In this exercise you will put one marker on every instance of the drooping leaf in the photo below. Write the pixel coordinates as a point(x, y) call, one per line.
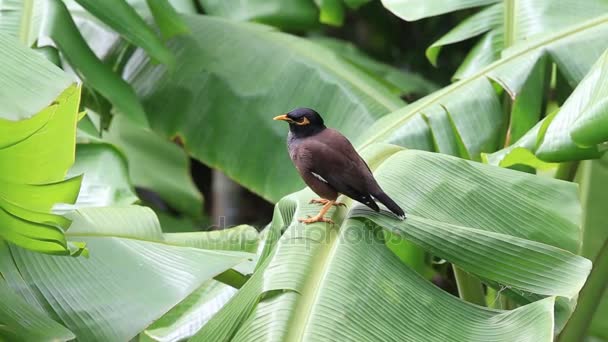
point(192, 313)
point(206, 102)
point(157, 164)
point(551, 139)
point(61, 28)
point(482, 22)
point(591, 126)
point(21, 19)
point(289, 15)
point(166, 17)
point(105, 179)
point(21, 322)
point(343, 282)
point(35, 155)
point(131, 278)
point(524, 20)
point(470, 106)
point(28, 81)
point(121, 17)
point(185, 319)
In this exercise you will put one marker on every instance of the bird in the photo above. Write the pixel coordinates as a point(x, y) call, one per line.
point(329, 164)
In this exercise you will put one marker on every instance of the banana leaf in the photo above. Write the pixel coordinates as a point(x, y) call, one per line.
point(131, 277)
point(214, 92)
point(35, 155)
point(341, 282)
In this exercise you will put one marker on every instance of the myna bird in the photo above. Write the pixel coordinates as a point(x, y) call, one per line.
point(330, 166)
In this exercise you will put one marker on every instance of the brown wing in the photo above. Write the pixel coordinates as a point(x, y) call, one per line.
point(332, 157)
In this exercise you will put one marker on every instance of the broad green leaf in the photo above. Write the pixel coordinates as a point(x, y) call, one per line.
point(472, 103)
point(591, 126)
point(131, 278)
point(289, 15)
point(482, 22)
point(21, 19)
point(61, 28)
point(550, 140)
point(587, 100)
point(105, 176)
point(527, 108)
point(520, 21)
point(207, 102)
point(522, 152)
point(28, 82)
point(35, 155)
point(166, 17)
point(121, 17)
point(342, 281)
point(192, 313)
point(412, 10)
point(21, 322)
point(146, 151)
point(186, 318)
point(402, 82)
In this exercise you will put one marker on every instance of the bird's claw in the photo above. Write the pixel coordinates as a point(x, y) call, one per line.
point(315, 219)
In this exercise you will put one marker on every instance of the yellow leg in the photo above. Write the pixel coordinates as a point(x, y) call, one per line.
point(324, 201)
point(319, 217)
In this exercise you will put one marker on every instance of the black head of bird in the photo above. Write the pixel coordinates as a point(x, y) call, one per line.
point(303, 122)
point(330, 166)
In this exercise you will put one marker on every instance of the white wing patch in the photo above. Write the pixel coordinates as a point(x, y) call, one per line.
point(319, 177)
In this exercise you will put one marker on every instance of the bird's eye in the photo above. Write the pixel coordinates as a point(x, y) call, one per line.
point(303, 121)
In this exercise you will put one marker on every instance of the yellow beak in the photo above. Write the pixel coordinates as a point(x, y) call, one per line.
point(282, 118)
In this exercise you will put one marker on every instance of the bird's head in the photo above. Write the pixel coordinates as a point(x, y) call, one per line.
point(303, 121)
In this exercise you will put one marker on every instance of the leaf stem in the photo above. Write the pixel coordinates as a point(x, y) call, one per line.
point(510, 24)
point(566, 171)
point(25, 25)
point(588, 299)
point(469, 287)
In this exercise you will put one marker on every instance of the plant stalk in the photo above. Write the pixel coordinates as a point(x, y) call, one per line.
point(469, 287)
point(509, 22)
point(25, 25)
point(588, 299)
point(566, 171)
point(509, 40)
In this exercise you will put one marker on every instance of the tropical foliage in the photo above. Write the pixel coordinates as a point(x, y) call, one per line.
point(501, 173)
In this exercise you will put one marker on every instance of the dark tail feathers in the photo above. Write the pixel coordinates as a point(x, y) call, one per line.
point(390, 204)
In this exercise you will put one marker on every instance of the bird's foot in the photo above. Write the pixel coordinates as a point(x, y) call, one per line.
point(324, 202)
point(315, 219)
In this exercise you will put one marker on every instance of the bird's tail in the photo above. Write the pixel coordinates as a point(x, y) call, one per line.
point(390, 204)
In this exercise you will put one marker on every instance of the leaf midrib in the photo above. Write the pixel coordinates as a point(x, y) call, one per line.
point(310, 291)
point(433, 99)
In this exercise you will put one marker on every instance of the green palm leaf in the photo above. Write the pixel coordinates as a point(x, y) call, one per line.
point(131, 272)
point(501, 24)
point(29, 82)
point(572, 133)
point(35, 155)
point(343, 282)
point(466, 118)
